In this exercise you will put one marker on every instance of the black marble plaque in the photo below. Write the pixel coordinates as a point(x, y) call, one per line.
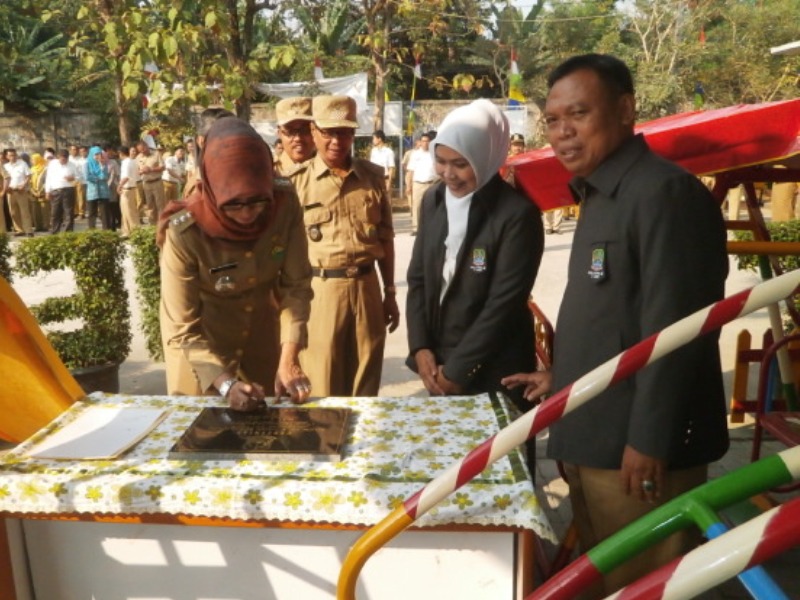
point(270, 433)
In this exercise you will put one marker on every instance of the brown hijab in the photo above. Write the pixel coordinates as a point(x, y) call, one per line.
point(235, 163)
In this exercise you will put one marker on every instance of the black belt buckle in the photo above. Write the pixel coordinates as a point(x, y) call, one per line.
point(351, 272)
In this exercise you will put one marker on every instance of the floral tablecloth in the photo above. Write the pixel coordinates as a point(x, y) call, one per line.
point(396, 446)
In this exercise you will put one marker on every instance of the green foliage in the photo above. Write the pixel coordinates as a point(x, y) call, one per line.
point(101, 300)
point(5, 257)
point(784, 231)
point(144, 254)
point(32, 71)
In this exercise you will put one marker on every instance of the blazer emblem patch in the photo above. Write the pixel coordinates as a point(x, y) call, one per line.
point(478, 260)
point(597, 268)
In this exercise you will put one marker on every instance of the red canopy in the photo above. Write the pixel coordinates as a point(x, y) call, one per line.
point(704, 142)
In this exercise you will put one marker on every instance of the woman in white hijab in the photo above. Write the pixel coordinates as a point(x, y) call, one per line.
point(474, 262)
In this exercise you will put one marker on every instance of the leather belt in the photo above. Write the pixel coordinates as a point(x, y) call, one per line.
point(346, 272)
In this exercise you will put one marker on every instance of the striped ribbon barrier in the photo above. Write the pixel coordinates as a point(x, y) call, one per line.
point(720, 559)
point(696, 507)
point(566, 400)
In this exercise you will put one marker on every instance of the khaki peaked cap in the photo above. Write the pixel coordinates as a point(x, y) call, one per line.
point(334, 111)
point(297, 108)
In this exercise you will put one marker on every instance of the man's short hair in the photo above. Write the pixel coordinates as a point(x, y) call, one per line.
point(613, 73)
point(124, 150)
point(379, 133)
point(63, 152)
point(210, 116)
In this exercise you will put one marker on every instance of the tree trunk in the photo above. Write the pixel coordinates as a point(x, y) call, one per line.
point(122, 114)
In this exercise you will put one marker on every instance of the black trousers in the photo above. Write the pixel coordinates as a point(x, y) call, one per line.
point(62, 204)
point(94, 206)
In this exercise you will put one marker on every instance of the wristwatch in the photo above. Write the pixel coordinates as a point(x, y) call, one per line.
point(390, 289)
point(226, 386)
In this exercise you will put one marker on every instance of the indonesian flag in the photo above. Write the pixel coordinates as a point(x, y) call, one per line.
point(318, 69)
point(417, 69)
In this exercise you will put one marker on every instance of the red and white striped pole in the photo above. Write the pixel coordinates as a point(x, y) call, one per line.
point(566, 400)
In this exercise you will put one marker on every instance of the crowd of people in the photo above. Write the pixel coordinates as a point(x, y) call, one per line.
point(278, 274)
point(116, 188)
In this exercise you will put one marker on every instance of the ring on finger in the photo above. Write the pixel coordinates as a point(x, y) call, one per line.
point(648, 486)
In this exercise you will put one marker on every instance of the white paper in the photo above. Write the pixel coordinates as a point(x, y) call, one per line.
point(99, 432)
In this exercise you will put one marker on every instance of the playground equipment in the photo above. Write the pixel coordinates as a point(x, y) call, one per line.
point(564, 401)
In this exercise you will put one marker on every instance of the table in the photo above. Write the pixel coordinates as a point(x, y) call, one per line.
point(286, 525)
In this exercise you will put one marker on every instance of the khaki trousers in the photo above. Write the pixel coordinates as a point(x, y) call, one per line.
point(153, 199)
point(170, 192)
point(19, 203)
point(80, 199)
point(600, 509)
point(128, 206)
point(417, 192)
point(782, 200)
point(346, 337)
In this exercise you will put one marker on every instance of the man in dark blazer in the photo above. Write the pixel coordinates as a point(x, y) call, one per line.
point(648, 250)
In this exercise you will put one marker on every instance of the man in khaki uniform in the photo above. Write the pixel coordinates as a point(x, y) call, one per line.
point(151, 168)
point(348, 221)
point(17, 186)
point(293, 116)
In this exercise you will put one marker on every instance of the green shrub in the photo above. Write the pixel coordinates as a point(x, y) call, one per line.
point(144, 254)
point(101, 301)
point(783, 231)
point(5, 257)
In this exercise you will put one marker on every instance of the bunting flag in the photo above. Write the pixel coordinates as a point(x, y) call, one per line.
point(699, 95)
point(318, 69)
point(412, 118)
point(515, 95)
point(702, 37)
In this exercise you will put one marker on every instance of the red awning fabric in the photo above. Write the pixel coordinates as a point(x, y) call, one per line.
point(703, 142)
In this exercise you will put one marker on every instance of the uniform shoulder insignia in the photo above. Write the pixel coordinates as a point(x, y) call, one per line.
point(181, 220)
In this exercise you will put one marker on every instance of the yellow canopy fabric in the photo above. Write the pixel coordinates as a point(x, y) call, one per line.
point(35, 386)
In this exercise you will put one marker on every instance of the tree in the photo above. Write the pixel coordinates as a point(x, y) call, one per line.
point(32, 72)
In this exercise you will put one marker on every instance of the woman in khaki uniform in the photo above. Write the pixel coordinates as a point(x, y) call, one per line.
point(235, 276)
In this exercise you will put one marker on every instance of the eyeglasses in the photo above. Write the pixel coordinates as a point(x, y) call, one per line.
point(291, 132)
point(338, 132)
point(232, 207)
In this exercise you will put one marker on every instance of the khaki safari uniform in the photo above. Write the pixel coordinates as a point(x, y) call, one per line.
point(230, 305)
point(151, 185)
point(286, 166)
point(347, 222)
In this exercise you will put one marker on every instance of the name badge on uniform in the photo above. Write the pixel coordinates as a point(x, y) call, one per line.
point(478, 260)
point(314, 233)
point(226, 283)
point(598, 268)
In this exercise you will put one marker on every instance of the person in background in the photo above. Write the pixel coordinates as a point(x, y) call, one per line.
point(77, 156)
point(40, 205)
point(293, 116)
point(650, 438)
point(174, 175)
point(114, 210)
point(17, 187)
point(128, 192)
point(97, 192)
point(407, 181)
point(348, 222)
point(423, 176)
point(383, 156)
point(235, 277)
point(150, 169)
point(277, 149)
point(468, 319)
point(59, 186)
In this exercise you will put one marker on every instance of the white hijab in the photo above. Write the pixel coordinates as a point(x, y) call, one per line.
point(480, 133)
